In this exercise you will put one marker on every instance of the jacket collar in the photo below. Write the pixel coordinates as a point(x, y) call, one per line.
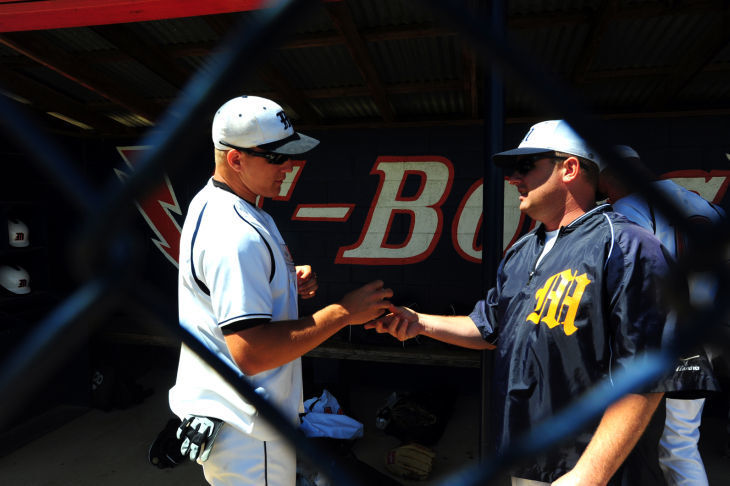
point(576, 222)
point(580, 219)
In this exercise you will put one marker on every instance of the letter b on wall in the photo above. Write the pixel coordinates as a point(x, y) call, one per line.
point(423, 208)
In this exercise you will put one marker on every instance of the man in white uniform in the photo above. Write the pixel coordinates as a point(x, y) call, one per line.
point(237, 292)
point(679, 457)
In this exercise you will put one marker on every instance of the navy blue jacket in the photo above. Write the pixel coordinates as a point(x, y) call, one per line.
point(588, 308)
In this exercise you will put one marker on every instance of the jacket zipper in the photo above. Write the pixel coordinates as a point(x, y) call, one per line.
point(534, 266)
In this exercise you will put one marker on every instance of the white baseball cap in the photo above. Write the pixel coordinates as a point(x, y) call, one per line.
point(545, 137)
point(251, 121)
point(17, 233)
point(15, 279)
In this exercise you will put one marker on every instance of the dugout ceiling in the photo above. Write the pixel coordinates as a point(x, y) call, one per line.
point(105, 67)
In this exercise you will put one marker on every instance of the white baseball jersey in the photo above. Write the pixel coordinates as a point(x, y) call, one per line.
point(235, 272)
point(636, 208)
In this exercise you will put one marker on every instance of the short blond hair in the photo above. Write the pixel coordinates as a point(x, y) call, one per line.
point(590, 169)
point(219, 156)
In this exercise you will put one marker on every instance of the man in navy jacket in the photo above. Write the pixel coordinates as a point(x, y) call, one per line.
point(575, 300)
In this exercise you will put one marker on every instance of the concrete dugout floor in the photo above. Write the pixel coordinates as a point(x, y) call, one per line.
point(110, 448)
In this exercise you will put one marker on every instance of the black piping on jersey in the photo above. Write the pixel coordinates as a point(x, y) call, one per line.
point(268, 247)
point(226, 187)
point(241, 323)
point(266, 466)
point(200, 283)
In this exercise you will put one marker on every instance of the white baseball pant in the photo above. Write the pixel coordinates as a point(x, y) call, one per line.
point(679, 457)
point(237, 459)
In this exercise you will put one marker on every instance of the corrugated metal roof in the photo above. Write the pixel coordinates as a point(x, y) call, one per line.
point(137, 78)
point(723, 57)
point(632, 93)
point(8, 53)
point(523, 7)
point(416, 105)
point(60, 83)
point(316, 68)
point(554, 49)
point(82, 39)
point(709, 88)
point(382, 13)
point(416, 65)
point(653, 42)
point(196, 63)
point(418, 60)
point(315, 21)
point(176, 31)
point(131, 121)
point(350, 108)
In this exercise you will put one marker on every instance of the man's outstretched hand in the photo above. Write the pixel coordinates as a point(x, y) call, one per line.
point(401, 323)
point(367, 303)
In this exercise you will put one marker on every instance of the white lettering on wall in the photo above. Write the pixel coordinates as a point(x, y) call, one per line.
point(379, 243)
point(467, 223)
point(423, 209)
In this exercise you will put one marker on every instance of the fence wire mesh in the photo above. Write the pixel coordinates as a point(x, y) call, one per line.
point(106, 255)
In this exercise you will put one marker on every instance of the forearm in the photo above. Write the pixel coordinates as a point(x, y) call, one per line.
point(273, 344)
point(456, 330)
point(276, 343)
point(618, 432)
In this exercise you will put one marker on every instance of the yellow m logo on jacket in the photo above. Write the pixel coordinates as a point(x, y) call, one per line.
point(558, 300)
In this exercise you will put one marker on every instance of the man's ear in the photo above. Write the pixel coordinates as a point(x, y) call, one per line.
point(233, 159)
point(571, 169)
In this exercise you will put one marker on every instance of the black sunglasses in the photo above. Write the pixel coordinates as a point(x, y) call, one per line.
point(526, 164)
point(271, 157)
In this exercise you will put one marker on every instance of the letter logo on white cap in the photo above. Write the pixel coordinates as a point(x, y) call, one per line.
point(17, 233)
point(284, 120)
point(15, 279)
point(528, 134)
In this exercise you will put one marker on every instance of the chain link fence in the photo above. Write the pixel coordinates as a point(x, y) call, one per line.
point(107, 257)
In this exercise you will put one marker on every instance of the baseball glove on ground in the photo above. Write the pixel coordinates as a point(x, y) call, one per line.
point(410, 461)
point(415, 417)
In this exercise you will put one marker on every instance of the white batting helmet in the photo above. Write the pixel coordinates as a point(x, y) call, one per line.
point(15, 279)
point(18, 233)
